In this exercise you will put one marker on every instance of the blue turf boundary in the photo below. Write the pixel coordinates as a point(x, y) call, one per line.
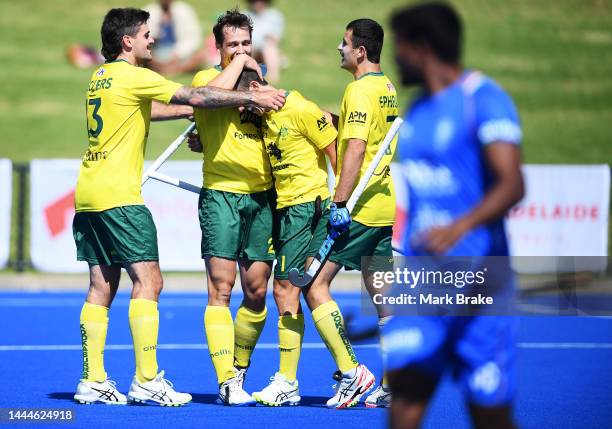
point(558, 388)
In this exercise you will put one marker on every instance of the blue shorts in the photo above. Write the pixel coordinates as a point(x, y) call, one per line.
point(479, 351)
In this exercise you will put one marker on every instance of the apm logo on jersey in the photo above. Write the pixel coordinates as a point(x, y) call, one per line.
point(357, 117)
point(322, 123)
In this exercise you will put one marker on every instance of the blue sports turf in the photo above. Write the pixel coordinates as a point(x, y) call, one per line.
point(564, 369)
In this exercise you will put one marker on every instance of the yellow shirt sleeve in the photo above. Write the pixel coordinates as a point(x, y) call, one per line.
point(358, 118)
point(314, 126)
point(150, 85)
point(203, 77)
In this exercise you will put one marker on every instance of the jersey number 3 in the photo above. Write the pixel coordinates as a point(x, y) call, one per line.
point(96, 103)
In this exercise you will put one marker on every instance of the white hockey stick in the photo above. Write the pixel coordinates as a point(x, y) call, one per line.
point(321, 256)
point(175, 182)
point(167, 153)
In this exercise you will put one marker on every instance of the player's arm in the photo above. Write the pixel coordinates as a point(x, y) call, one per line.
point(332, 118)
point(504, 162)
point(332, 155)
point(208, 97)
point(351, 166)
point(165, 112)
point(229, 75)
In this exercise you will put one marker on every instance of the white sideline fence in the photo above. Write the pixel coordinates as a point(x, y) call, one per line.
point(565, 213)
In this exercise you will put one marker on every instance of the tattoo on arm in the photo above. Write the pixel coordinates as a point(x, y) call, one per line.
point(208, 97)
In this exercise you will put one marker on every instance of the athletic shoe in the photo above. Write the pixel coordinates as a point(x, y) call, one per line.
point(279, 392)
point(158, 391)
point(90, 392)
point(349, 390)
point(232, 393)
point(380, 398)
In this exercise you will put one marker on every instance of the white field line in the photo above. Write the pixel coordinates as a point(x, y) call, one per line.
point(274, 346)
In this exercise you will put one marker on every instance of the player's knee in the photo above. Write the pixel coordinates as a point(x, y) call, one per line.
point(499, 417)
point(316, 295)
point(412, 385)
point(158, 285)
point(279, 294)
point(256, 295)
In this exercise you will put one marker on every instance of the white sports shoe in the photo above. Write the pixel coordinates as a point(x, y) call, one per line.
point(232, 393)
point(349, 390)
point(90, 392)
point(158, 391)
point(279, 392)
point(379, 398)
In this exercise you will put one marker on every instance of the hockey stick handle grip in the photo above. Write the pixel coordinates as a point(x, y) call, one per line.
point(168, 152)
point(363, 182)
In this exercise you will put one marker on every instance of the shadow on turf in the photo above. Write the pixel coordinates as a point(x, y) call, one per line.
point(307, 401)
point(62, 396)
point(208, 398)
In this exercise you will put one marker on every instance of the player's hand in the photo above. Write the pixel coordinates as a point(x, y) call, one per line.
point(194, 143)
point(251, 64)
point(339, 217)
point(268, 98)
point(440, 239)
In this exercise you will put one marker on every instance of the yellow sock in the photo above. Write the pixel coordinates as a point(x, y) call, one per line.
point(144, 324)
point(219, 329)
point(94, 324)
point(385, 381)
point(290, 335)
point(247, 329)
point(330, 324)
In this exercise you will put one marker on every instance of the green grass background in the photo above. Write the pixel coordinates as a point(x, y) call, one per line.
point(553, 57)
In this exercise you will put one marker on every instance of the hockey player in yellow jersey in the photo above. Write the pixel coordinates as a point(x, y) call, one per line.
point(296, 138)
point(368, 109)
point(235, 210)
point(112, 228)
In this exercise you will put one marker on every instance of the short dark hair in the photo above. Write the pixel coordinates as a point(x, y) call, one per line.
point(232, 18)
point(369, 34)
point(118, 23)
point(246, 77)
point(435, 24)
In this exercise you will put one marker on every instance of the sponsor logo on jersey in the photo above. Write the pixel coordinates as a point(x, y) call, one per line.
point(239, 136)
point(100, 72)
point(280, 167)
point(322, 123)
point(95, 155)
point(357, 117)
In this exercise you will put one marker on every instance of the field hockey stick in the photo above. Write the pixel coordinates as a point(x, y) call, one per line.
point(167, 153)
point(323, 253)
point(175, 182)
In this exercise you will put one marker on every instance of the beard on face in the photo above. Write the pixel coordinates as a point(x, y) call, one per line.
point(410, 75)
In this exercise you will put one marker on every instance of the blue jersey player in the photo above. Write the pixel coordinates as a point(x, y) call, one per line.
point(460, 157)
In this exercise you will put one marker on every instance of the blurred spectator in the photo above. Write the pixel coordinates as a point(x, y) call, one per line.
point(175, 27)
point(84, 56)
point(268, 26)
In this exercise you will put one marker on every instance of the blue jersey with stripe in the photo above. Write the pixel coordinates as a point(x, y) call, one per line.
point(440, 148)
